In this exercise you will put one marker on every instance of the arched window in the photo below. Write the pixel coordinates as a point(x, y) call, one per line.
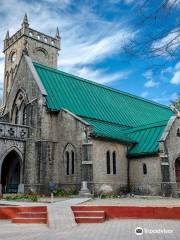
point(144, 169)
point(108, 163)
point(69, 154)
point(13, 57)
point(67, 163)
point(24, 117)
point(41, 51)
point(16, 118)
point(178, 132)
point(19, 113)
point(72, 162)
point(114, 162)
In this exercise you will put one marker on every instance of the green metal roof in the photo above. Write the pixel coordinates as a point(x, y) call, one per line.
point(109, 111)
point(109, 130)
point(147, 138)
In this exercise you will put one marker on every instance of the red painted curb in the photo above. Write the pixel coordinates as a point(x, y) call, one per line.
point(145, 212)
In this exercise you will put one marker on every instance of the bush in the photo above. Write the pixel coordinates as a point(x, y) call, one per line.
point(60, 192)
point(27, 197)
point(64, 193)
point(104, 196)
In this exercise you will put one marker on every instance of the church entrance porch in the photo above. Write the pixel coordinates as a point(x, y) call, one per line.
point(11, 172)
point(177, 169)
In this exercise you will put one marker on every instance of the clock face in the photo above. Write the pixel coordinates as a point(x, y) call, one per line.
point(13, 57)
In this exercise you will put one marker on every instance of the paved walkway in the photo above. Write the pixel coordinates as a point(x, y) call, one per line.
point(136, 201)
point(60, 215)
point(109, 230)
point(63, 227)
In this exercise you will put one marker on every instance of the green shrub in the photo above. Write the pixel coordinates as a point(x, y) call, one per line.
point(104, 196)
point(60, 192)
point(64, 193)
point(18, 197)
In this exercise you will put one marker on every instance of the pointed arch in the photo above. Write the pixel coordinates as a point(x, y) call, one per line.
point(41, 50)
point(69, 159)
point(12, 53)
point(19, 107)
point(12, 161)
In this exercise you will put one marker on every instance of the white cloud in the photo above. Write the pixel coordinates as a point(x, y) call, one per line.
point(175, 72)
point(86, 52)
point(174, 3)
point(123, 1)
point(165, 98)
point(168, 44)
point(177, 66)
point(150, 83)
point(144, 94)
point(86, 38)
point(176, 78)
point(97, 75)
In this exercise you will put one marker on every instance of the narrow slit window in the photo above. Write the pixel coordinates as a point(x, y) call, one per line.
point(114, 162)
point(108, 164)
point(72, 162)
point(16, 115)
point(24, 121)
point(144, 169)
point(67, 163)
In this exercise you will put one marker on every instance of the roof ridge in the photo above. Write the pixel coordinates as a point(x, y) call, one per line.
point(104, 121)
point(100, 85)
point(147, 126)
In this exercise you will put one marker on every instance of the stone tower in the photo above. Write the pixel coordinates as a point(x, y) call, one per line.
point(39, 46)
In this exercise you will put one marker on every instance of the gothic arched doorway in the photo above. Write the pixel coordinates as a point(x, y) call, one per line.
point(11, 172)
point(177, 169)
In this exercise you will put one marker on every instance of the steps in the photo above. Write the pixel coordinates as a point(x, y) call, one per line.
point(89, 216)
point(31, 215)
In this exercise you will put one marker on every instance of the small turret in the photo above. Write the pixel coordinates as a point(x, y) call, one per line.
point(7, 35)
point(25, 21)
point(57, 33)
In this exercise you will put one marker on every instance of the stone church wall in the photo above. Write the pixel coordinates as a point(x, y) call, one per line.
point(149, 183)
point(117, 181)
point(24, 80)
point(62, 132)
point(173, 150)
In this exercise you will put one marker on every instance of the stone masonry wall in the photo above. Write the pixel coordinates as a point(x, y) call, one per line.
point(173, 147)
point(149, 183)
point(24, 80)
point(61, 130)
point(118, 181)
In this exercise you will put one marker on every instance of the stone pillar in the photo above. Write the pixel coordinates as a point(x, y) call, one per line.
point(1, 190)
point(21, 188)
point(166, 184)
point(84, 192)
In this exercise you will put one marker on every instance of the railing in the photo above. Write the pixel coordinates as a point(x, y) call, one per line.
point(13, 131)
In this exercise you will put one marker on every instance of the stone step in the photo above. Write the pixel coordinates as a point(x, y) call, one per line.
point(30, 220)
point(89, 213)
point(32, 209)
point(90, 219)
point(31, 215)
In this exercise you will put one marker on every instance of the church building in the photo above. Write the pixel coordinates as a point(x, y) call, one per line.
point(59, 128)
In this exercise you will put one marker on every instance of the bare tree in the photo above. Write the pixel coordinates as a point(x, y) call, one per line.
point(176, 103)
point(159, 21)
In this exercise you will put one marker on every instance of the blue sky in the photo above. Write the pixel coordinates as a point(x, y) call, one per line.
point(94, 35)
